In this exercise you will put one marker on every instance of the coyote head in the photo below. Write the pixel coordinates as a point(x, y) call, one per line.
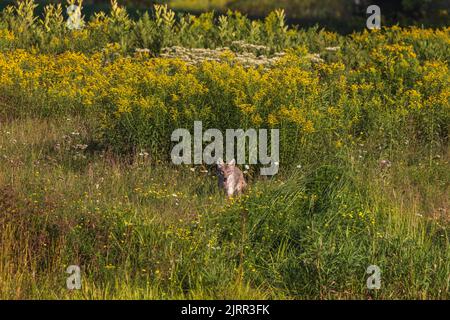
point(231, 179)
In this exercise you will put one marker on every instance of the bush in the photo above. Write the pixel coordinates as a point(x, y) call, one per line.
point(391, 94)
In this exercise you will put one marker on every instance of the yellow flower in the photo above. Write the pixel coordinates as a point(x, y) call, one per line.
point(308, 127)
point(272, 120)
point(256, 119)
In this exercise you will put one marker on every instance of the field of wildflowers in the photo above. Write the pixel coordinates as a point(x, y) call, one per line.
point(85, 175)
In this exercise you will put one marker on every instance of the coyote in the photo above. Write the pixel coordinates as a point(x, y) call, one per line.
point(231, 179)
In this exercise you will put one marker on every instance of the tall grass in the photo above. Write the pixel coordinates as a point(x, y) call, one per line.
point(142, 231)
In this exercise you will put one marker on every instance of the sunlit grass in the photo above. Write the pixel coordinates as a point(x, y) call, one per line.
point(141, 230)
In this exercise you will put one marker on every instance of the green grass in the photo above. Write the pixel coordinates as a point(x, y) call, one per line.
point(142, 230)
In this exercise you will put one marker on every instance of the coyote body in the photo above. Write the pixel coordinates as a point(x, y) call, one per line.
point(231, 179)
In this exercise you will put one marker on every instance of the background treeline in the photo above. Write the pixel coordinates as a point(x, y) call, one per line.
point(338, 15)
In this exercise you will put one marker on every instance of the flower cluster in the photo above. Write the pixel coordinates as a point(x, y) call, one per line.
point(195, 56)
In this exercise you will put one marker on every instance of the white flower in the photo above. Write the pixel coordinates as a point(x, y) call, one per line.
point(81, 146)
point(385, 164)
point(143, 153)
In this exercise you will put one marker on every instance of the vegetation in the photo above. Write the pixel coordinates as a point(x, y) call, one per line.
point(85, 178)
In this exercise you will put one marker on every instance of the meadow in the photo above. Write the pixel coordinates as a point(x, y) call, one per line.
point(86, 178)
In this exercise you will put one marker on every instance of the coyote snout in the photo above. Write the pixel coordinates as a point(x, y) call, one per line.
point(231, 179)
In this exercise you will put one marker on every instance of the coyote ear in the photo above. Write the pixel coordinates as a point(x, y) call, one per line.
point(220, 163)
point(232, 163)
